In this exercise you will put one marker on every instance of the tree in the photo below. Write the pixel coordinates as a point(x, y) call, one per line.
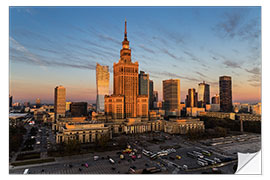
point(72, 146)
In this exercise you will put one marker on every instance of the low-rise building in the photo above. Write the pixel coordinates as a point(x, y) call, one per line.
point(248, 117)
point(83, 132)
point(220, 115)
point(194, 111)
point(183, 126)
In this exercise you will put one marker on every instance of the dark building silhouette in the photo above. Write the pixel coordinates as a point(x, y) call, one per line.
point(10, 101)
point(78, 109)
point(225, 93)
point(192, 98)
point(143, 83)
point(151, 94)
point(215, 99)
point(155, 96)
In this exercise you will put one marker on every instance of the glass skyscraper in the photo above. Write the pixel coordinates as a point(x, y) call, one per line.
point(102, 80)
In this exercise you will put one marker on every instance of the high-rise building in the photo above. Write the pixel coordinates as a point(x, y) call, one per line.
point(192, 98)
point(59, 102)
point(143, 83)
point(215, 99)
point(10, 101)
point(171, 94)
point(38, 103)
point(203, 94)
point(125, 78)
point(78, 109)
point(151, 94)
point(68, 106)
point(225, 93)
point(155, 94)
point(102, 81)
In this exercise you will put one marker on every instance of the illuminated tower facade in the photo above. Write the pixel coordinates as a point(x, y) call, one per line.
point(171, 94)
point(192, 98)
point(125, 78)
point(203, 94)
point(59, 102)
point(102, 80)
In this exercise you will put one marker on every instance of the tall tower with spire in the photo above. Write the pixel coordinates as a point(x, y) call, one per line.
point(125, 74)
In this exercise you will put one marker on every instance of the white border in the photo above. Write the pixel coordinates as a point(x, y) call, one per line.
point(4, 17)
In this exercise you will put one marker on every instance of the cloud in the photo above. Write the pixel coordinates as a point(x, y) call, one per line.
point(231, 64)
point(255, 70)
point(19, 53)
point(172, 75)
point(236, 24)
point(201, 74)
point(191, 55)
point(146, 49)
point(255, 84)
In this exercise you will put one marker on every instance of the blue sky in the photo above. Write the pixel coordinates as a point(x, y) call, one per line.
point(50, 46)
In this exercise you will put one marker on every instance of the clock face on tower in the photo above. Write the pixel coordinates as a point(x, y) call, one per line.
point(125, 46)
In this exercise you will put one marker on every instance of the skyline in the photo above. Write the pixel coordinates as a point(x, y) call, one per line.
point(227, 42)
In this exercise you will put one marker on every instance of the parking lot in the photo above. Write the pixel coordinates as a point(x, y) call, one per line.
point(167, 164)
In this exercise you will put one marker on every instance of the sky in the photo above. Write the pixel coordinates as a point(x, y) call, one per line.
point(51, 46)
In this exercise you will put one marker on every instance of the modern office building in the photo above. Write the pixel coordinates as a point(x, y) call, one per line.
point(171, 95)
point(203, 94)
point(143, 83)
point(102, 82)
point(155, 96)
point(225, 93)
point(215, 99)
point(59, 102)
point(10, 101)
point(68, 106)
point(151, 94)
point(78, 109)
point(192, 98)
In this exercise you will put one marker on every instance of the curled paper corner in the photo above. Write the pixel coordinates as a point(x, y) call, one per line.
point(249, 163)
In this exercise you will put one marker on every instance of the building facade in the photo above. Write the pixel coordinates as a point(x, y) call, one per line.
point(102, 82)
point(248, 117)
point(221, 115)
point(203, 94)
point(183, 126)
point(59, 102)
point(192, 98)
point(125, 74)
point(142, 106)
point(215, 99)
point(151, 94)
point(225, 93)
point(171, 94)
point(143, 83)
point(78, 109)
point(115, 106)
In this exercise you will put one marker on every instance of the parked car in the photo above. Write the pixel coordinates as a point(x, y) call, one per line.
point(178, 157)
point(96, 158)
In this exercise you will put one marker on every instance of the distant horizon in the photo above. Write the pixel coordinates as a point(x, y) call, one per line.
point(50, 46)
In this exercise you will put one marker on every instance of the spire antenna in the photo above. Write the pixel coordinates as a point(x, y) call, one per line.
point(125, 29)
